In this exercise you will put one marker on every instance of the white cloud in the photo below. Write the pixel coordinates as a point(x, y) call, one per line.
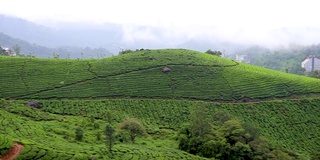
point(250, 20)
point(239, 14)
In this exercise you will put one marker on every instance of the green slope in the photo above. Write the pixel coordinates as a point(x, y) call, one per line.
point(193, 75)
point(49, 132)
point(49, 136)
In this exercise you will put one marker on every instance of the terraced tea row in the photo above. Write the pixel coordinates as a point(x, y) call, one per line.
point(22, 76)
point(191, 82)
point(292, 124)
point(192, 75)
point(25, 76)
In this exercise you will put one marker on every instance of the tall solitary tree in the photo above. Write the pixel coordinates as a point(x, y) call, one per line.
point(109, 132)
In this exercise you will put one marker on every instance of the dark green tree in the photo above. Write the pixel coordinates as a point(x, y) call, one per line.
point(79, 133)
point(109, 132)
point(225, 138)
point(98, 136)
point(217, 53)
point(133, 127)
point(199, 125)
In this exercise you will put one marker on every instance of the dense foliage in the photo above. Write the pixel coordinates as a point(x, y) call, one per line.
point(79, 133)
point(217, 53)
point(223, 137)
point(133, 127)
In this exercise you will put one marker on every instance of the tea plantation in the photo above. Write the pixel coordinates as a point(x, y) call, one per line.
point(160, 88)
point(192, 75)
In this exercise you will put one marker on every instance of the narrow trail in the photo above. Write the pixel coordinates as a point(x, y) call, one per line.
point(13, 152)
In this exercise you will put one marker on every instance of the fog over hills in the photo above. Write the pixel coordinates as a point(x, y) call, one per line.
point(115, 37)
point(110, 36)
point(56, 37)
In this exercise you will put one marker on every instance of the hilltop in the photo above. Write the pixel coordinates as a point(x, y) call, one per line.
point(192, 75)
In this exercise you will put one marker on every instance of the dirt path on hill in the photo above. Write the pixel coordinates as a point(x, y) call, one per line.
point(13, 152)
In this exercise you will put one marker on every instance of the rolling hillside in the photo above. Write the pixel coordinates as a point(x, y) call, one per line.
point(193, 75)
point(161, 88)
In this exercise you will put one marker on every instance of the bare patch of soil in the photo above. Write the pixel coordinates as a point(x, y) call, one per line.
point(13, 152)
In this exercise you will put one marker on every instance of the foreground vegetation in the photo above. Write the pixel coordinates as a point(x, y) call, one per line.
point(223, 137)
point(49, 132)
point(49, 136)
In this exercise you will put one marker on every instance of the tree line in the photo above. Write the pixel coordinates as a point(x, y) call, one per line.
point(285, 59)
point(222, 136)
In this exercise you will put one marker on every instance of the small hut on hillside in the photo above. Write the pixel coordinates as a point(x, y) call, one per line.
point(166, 69)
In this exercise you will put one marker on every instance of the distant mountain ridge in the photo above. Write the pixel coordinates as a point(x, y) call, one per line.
point(116, 37)
point(28, 49)
point(113, 37)
point(49, 37)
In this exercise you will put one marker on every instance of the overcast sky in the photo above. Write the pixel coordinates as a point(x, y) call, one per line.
point(237, 19)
